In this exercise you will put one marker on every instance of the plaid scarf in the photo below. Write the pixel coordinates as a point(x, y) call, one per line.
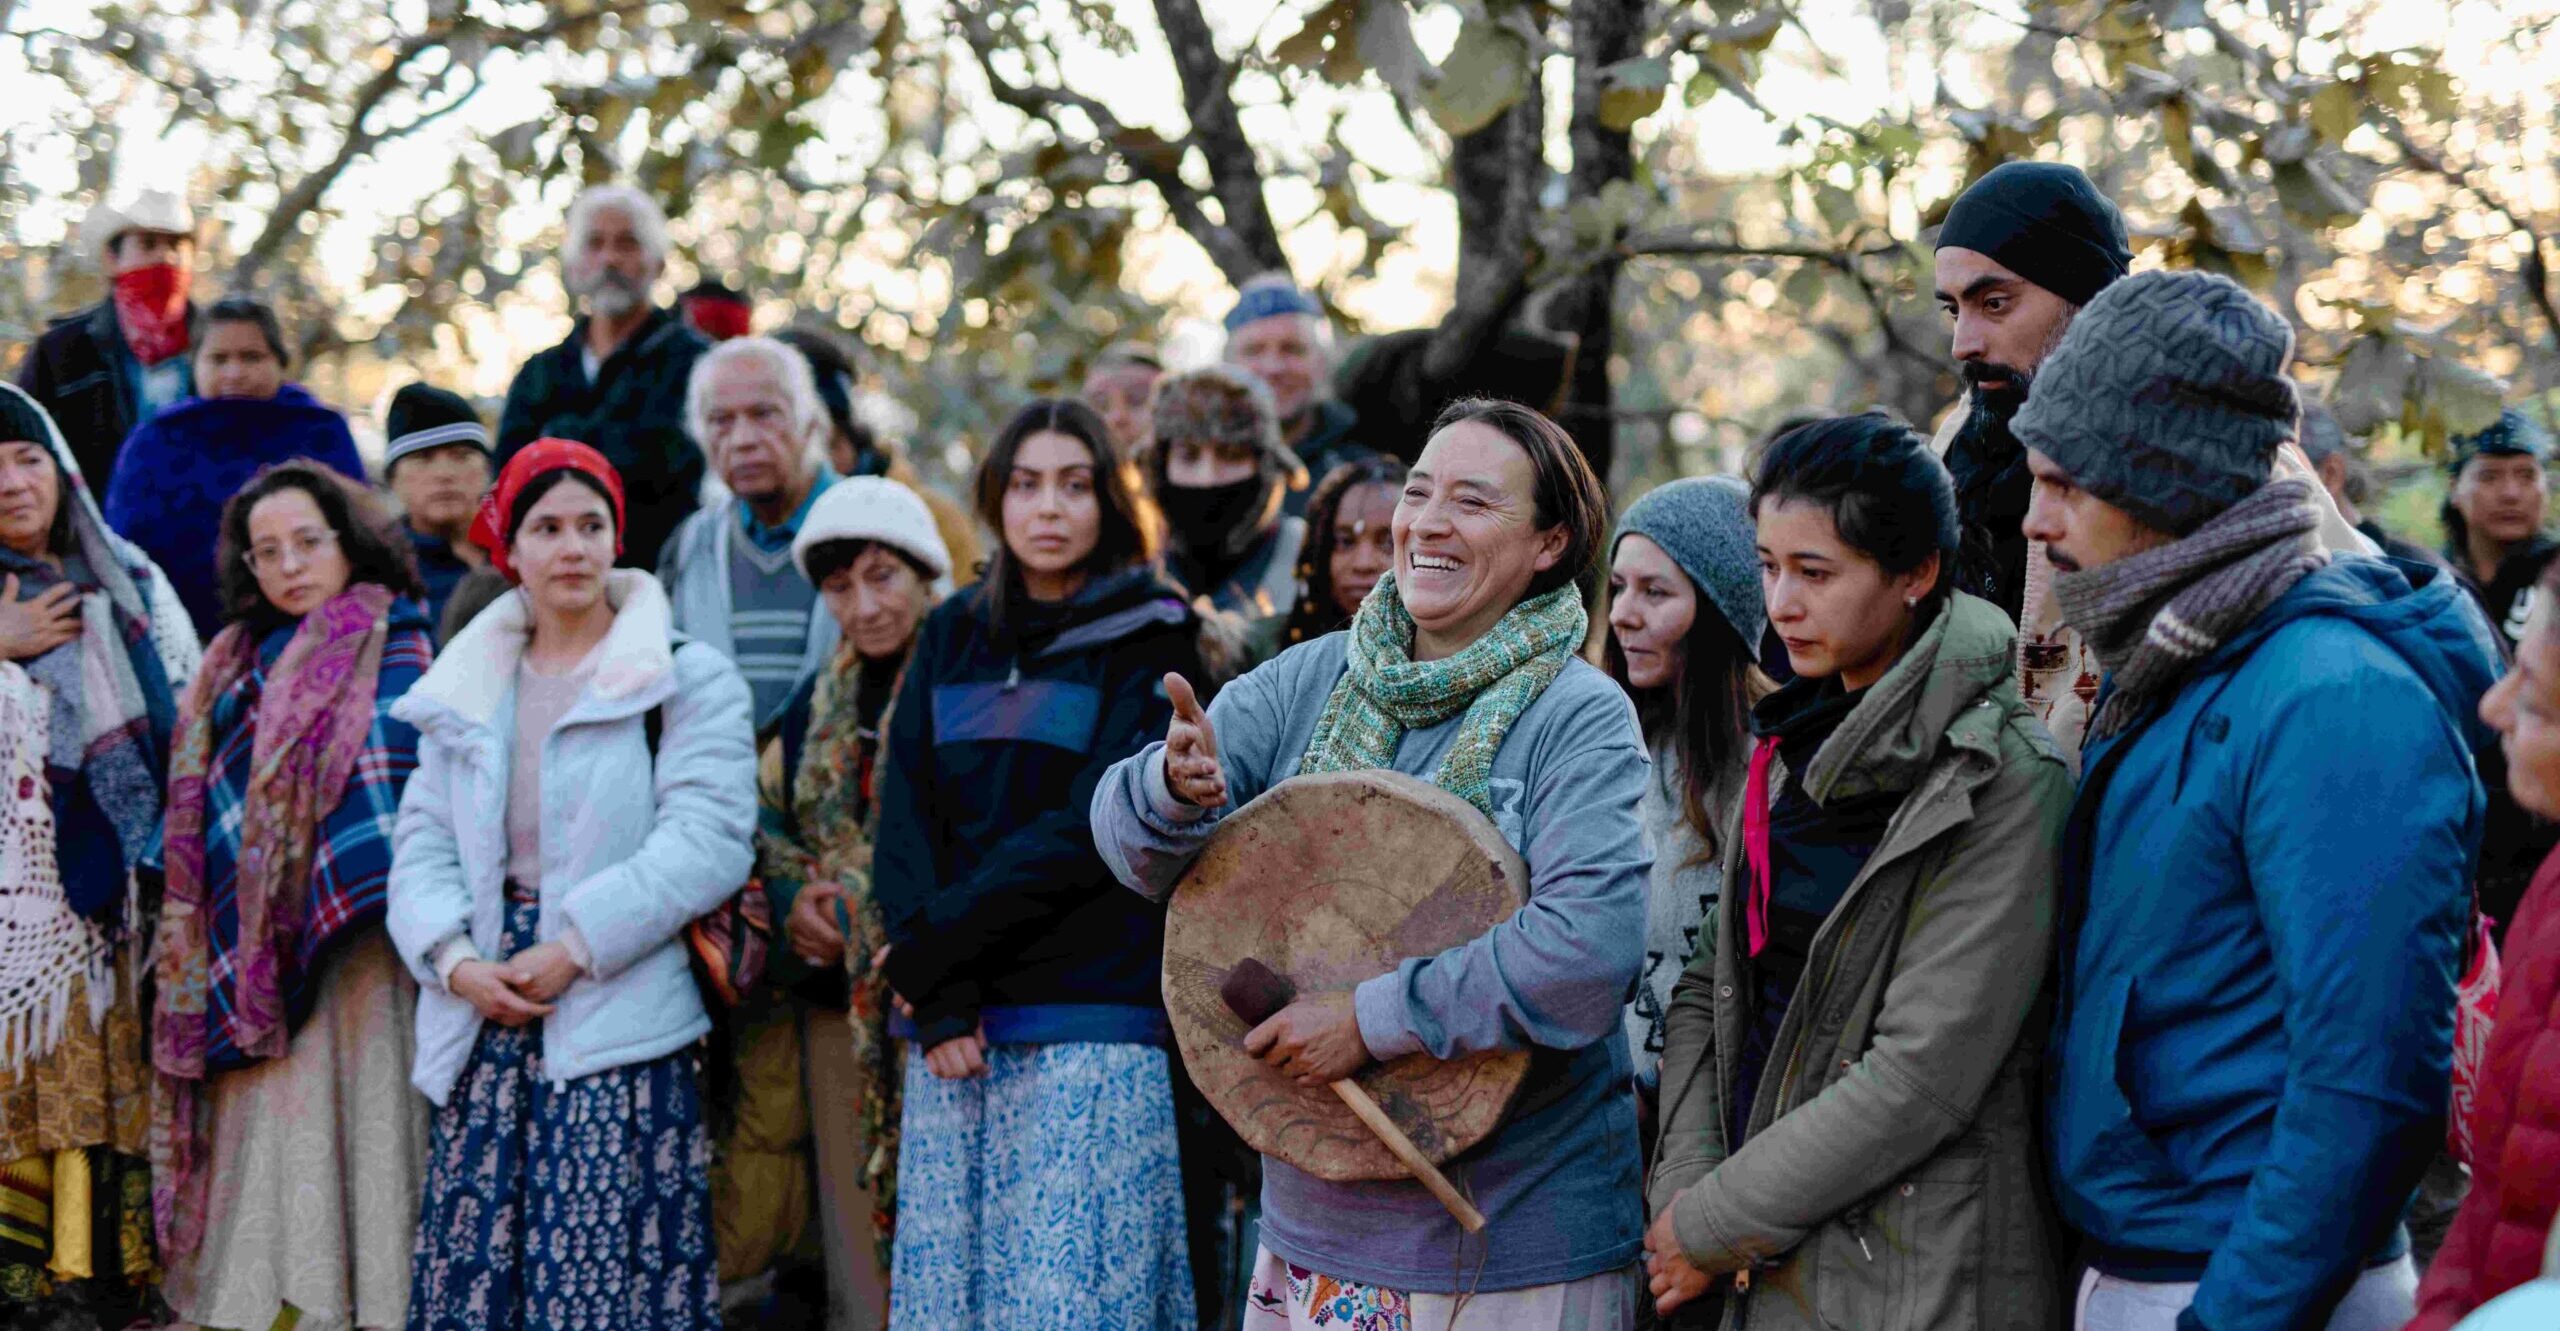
point(1384, 692)
point(2150, 617)
point(226, 966)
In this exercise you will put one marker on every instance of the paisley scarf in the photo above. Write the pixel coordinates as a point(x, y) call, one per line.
point(311, 725)
point(828, 838)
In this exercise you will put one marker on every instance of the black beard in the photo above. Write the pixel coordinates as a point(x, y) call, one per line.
point(2002, 403)
point(1993, 487)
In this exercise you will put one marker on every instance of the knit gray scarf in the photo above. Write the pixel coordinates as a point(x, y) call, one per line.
point(2152, 616)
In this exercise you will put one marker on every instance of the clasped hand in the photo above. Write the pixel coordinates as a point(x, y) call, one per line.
point(521, 988)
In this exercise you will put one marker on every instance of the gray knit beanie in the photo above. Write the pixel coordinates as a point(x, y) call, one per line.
point(1704, 524)
point(2167, 398)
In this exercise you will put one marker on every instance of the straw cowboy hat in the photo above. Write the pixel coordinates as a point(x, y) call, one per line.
point(149, 210)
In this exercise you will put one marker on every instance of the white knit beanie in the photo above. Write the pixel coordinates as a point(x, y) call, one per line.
point(873, 508)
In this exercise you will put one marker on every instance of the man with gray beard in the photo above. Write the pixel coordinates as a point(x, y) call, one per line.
point(618, 382)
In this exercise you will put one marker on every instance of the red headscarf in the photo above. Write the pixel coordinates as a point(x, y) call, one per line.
point(539, 458)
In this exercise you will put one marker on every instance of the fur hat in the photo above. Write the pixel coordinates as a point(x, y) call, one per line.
point(1220, 404)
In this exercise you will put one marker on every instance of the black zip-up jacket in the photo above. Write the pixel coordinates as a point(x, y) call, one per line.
point(633, 414)
point(996, 903)
point(78, 371)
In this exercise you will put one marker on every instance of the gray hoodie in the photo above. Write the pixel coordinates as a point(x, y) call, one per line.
point(1557, 1182)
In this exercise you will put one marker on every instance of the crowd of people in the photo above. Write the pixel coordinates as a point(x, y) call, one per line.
point(644, 865)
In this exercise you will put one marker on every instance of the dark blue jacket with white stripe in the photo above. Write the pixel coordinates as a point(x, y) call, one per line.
point(997, 905)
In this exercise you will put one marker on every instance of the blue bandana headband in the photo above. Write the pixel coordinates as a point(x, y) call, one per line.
point(1264, 302)
point(2513, 435)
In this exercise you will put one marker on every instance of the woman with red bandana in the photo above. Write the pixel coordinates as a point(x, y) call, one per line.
point(586, 788)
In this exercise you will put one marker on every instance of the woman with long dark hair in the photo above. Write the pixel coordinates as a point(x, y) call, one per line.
point(93, 647)
point(1684, 607)
point(1350, 545)
point(1850, 1085)
point(286, 1146)
point(585, 790)
point(1037, 1167)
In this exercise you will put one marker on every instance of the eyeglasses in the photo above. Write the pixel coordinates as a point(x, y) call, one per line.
point(304, 546)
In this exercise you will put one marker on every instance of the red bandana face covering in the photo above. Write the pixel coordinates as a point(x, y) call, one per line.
point(151, 309)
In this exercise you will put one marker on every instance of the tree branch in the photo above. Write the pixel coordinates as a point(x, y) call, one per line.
point(1604, 33)
point(1495, 175)
point(305, 194)
point(2536, 275)
point(1208, 101)
point(1148, 155)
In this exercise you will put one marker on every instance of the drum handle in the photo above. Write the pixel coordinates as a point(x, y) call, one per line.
point(1401, 1146)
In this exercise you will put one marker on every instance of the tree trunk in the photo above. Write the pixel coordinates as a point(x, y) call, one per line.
point(1604, 32)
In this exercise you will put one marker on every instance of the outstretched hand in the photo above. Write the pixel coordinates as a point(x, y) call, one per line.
point(1191, 769)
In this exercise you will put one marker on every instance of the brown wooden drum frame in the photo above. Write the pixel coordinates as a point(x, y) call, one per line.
point(1331, 879)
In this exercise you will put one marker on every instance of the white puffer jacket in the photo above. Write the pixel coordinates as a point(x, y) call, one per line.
point(628, 860)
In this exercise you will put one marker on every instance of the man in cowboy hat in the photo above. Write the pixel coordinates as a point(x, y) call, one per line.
point(103, 370)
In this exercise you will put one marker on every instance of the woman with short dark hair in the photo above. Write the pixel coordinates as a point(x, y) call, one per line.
point(95, 646)
point(286, 1146)
point(178, 469)
point(1037, 1166)
point(1849, 1087)
point(1462, 669)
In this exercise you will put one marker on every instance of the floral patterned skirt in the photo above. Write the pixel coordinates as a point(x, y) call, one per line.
point(582, 1206)
point(1044, 1194)
point(1289, 1297)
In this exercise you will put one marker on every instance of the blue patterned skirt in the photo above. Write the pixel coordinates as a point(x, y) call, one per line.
point(576, 1207)
point(1044, 1194)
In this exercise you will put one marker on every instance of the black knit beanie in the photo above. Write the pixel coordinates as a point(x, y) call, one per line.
point(2045, 222)
point(2168, 398)
point(21, 420)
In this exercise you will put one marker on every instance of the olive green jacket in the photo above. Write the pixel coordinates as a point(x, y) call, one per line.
point(1890, 1176)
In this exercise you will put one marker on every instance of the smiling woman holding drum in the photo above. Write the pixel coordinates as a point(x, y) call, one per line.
point(1460, 670)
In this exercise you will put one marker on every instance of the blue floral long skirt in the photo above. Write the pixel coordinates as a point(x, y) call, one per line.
point(1045, 1194)
point(576, 1207)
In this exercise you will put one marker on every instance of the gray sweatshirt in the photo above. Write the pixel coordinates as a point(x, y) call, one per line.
point(1557, 1182)
point(1685, 882)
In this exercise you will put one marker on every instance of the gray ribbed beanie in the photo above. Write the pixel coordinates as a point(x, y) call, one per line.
point(1704, 524)
point(2168, 397)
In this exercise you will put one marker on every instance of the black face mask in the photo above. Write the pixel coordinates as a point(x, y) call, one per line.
point(1203, 519)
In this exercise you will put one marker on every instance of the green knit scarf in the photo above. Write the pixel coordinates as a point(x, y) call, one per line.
point(1385, 692)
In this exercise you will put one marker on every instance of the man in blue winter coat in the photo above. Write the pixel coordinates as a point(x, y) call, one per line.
point(2266, 878)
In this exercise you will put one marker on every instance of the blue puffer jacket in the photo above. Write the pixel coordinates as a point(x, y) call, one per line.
point(2272, 880)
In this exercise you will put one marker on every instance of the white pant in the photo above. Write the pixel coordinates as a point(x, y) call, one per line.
point(2382, 1299)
